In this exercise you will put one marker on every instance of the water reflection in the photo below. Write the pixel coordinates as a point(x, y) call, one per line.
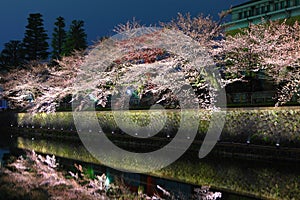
point(266, 179)
point(2, 152)
point(6, 141)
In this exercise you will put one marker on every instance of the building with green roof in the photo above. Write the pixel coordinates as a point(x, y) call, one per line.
point(254, 11)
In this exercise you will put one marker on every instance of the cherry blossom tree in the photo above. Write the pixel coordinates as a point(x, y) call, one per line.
point(41, 88)
point(272, 47)
point(203, 29)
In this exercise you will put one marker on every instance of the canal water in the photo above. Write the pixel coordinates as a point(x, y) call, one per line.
point(234, 178)
point(5, 143)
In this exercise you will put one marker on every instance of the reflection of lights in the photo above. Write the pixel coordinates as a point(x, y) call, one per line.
point(248, 140)
point(129, 92)
point(93, 98)
point(277, 143)
point(107, 182)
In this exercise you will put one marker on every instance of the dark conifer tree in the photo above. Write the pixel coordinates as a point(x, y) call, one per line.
point(76, 38)
point(59, 38)
point(35, 40)
point(12, 54)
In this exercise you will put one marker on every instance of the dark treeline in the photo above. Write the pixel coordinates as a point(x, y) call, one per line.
point(35, 47)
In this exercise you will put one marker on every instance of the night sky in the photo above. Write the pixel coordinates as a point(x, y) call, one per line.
point(100, 16)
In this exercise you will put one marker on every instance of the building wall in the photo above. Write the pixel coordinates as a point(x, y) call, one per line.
point(256, 11)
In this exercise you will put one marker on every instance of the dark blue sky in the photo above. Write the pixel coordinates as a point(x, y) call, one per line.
point(100, 16)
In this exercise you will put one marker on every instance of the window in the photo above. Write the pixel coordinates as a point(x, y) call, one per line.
point(245, 14)
point(282, 4)
point(268, 8)
point(257, 11)
point(240, 15)
point(291, 3)
point(263, 9)
point(250, 13)
point(276, 6)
